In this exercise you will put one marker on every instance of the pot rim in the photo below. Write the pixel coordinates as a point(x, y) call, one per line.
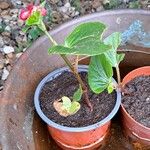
point(123, 108)
point(69, 23)
point(65, 128)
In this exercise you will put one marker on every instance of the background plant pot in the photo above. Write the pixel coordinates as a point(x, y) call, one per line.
point(73, 138)
point(21, 127)
point(136, 131)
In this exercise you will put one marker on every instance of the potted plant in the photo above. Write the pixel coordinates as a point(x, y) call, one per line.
point(77, 117)
point(136, 100)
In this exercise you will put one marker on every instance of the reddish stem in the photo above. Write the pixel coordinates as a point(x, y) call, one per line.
point(87, 100)
point(123, 90)
point(85, 90)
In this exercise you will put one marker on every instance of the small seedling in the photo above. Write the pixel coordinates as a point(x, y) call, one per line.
point(66, 107)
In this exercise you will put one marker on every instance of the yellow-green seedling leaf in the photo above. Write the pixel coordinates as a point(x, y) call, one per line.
point(114, 40)
point(75, 106)
point(78, 94)
point(110, 88)
point(99, 73)
point(65, 107)
point(34, 19)
point(66, 103)
point(58, 105)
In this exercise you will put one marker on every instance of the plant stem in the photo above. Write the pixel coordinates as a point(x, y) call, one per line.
point(120, 87)
point(51, 39)
point(118, 75)
point(76, 62)
point(75, 71)
point(62, 55)
point(83, 58)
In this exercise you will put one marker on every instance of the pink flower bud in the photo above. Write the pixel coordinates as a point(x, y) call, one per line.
point(27, 12)
point(43, 12)
point(30, 7)
point(24, 14)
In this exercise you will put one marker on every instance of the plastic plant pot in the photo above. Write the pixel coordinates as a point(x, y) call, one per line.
point(136, 131)
point(73, 138)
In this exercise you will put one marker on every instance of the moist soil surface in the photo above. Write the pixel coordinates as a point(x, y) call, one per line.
point(137, 103)
point(65, 85)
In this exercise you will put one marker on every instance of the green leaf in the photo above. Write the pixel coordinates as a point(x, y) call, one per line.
point(111, 4)
point(110, 88)
point(43, 4)
point(120, 57)
point(66, 107)
point(84, 40)
point(66, 103)
point(134, 4)
point(78, 94)
point(100, 73)
point(76, 4)
point(85, 31)
point(34, 19)
point(75, 106)
point(89, 47)
point(26, 28)
point(114, 40)
point(34, 33)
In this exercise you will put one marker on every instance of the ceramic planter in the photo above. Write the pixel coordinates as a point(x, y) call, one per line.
point(21, 127)
point(73, 138)
point(136, 131)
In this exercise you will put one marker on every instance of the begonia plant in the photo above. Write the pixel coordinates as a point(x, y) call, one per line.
point(85, 40)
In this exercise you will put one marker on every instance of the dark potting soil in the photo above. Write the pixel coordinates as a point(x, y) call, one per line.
point(137, 103)
point(65, 85)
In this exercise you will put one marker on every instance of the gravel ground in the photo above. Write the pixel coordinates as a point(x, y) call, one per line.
point(13, 41)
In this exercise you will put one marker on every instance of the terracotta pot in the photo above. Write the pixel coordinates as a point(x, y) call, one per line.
point(73, 138)
point(136, 131)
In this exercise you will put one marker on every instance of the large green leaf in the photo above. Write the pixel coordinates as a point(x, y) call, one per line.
point(89, 47)
point(100, 73)
point(114, 40)
point(84, 40)
point(85, 31)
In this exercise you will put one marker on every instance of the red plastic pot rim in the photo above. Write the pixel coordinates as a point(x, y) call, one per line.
point(54, 74)
point(132, 72)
